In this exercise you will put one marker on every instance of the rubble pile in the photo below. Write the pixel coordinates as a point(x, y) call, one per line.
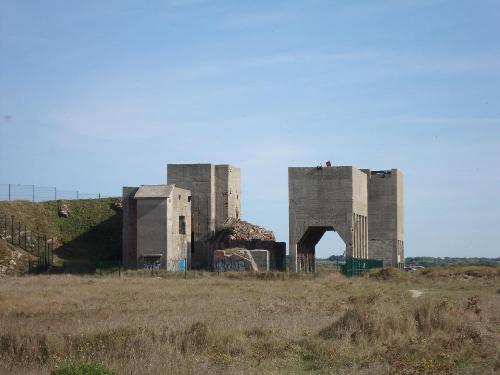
point(63, 211)
point(243, 230)
point(12, 260)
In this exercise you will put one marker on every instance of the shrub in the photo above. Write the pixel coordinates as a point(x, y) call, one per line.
point(386, 274)
point(83, 368)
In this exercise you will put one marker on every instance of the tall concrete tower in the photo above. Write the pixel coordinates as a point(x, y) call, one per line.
point(215, 197)
point(385, 216)
point(326, 199)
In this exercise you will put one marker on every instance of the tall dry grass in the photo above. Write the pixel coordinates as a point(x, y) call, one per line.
point(261, 323)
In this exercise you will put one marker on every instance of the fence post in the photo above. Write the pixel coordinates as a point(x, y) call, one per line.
point(33, 193)
point(45, 251)
point(77, 195)
point(9, 192)
point(55, 193)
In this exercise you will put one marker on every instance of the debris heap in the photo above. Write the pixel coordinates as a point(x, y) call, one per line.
point(243, 230)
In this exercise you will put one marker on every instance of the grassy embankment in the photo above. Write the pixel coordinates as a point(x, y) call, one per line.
point(91, 232)
point(260, 323)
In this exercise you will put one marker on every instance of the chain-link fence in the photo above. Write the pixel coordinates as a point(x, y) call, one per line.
point(35, 193)
point(358, 266)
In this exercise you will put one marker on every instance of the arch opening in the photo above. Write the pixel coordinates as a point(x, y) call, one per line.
point(306, 247)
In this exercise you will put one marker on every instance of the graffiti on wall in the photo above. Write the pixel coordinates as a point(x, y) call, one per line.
point(229, 263)
point(153, 265)
point(176, 264)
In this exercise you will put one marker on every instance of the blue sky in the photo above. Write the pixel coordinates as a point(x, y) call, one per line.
point(95, 95)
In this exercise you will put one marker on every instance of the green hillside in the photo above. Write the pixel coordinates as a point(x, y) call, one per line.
point(91, 232)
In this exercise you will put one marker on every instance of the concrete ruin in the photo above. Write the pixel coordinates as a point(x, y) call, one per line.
point(192, 217)
point(386, 214)
point(215, 197)
point(237, 260)
point(365, 208)
point(156, 226)
point(240, 234)
point(198, 213)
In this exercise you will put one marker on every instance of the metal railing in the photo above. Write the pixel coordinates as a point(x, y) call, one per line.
point(40, 247)
point(357, 266)
point(34, 193)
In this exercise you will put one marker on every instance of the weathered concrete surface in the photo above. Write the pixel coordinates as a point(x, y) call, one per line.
point(152, 229)
point(323, 199)
point(236, 261)
point(200, 180)
point(261, 258)
point(385, 219)
point(215, 193)
point(241, 260)
point(178, 228)
point(227, 194)
point(242, 234)
point(129, 228)
point(156, 225)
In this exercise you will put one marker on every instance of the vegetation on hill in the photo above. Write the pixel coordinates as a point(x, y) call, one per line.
point(91, 232)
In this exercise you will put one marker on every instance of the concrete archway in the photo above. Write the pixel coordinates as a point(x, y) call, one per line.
point(306, 247)
point(321, 199)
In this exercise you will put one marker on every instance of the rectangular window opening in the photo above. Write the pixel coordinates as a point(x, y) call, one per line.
point(182, 225)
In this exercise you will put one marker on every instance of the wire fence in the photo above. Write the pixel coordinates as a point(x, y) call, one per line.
point(39, 246)
point(358, 266)
point(34, 193)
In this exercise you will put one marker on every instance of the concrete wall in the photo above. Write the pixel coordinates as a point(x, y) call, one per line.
point(227, 192)
point(261, 259)
point(277, 250)
point(321, 199)
point(151, 225)
point(179, 244)
point(215, 191)
point(200, 180)
point(152, 228)
point(129, 227)
point(386, 222)
point(234, 199)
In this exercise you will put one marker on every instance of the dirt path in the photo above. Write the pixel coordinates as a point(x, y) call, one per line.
point(415, 293)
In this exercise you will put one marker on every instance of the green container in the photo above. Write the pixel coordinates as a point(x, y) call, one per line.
point(357, 266)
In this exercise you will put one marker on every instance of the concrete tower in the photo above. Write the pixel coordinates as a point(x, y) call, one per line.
point(385, 216)
point(323, 199)
point(215, 196)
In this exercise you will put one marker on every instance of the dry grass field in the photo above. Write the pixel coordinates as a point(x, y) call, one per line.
point(254, 324)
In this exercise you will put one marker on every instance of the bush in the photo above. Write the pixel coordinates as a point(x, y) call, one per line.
point(84, 368)
point(386, 274)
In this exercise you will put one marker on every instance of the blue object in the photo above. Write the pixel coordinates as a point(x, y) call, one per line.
point(182, 265)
